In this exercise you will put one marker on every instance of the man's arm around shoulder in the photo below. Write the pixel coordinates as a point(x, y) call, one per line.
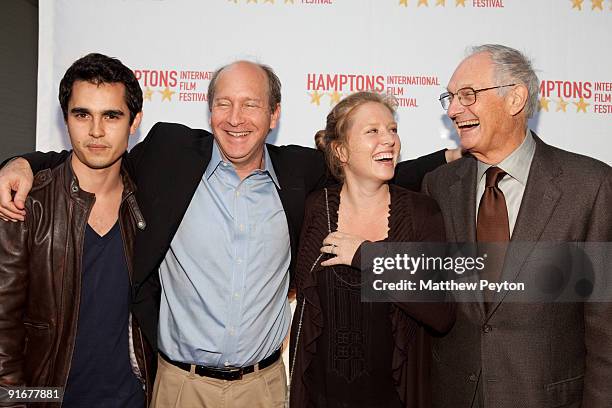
point(410, 173)
point(17, 174)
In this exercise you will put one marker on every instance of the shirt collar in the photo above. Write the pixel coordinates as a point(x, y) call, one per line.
point(517, 163)
point(216, 159)
point(269, 167)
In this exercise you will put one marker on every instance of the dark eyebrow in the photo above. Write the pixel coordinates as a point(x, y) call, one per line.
point(79, 110)
point(113, 112)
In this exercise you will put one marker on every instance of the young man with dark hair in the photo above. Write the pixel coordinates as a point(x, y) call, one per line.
point(65, 272)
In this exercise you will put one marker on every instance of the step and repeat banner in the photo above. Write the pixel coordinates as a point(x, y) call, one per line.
point(323, 50)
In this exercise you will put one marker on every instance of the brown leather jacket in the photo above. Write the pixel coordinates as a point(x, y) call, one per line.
point(40, 282)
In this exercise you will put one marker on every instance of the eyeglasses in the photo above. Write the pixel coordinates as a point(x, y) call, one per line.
point(467, 96)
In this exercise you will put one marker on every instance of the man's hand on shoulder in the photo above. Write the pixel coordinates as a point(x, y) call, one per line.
point(15, 176)
point(453, 154)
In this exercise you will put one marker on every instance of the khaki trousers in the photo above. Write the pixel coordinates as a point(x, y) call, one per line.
point(176, 388)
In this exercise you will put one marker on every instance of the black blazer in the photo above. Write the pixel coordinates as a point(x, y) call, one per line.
point(167, 167)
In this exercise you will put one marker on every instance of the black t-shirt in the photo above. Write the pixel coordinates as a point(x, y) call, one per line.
point(101, 374)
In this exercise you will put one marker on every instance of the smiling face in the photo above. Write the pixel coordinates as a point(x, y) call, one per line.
point(241, 117)
point(483, 126)
point(98, 122)
point(372, 144)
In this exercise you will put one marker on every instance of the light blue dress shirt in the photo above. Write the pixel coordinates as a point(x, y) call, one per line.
point(225, 278)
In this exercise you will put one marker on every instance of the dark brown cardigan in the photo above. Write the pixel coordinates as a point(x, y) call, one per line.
point(412, 217)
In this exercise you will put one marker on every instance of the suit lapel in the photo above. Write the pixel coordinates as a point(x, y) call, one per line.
point(463, 214)
point(291, 193)
point(540, 197)
point(189, 170)
point(176, 183)
point(463, 196)
point(537, 206)
point(195, 160)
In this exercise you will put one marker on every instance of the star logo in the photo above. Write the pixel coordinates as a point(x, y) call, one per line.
point(404, 3)
point(561, 105)
point(423, 3)
point(544, 104)
point(441, 3)
point(147, 94)
point(334, 97)
point(577, 4)
point(597, 4)
point(460, 3)
point(167, 94)
point(581, 105)
point(315, 98)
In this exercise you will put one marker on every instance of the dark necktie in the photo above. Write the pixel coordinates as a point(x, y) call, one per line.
point(492, 226)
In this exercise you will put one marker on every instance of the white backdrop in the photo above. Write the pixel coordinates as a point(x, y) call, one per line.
point(325, 49)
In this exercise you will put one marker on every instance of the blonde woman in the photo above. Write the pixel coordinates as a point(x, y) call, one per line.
point(349, 353)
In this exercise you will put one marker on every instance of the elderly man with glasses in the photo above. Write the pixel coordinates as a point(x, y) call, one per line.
point(513, 187)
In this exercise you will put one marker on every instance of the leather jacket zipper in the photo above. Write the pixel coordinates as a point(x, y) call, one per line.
point(139, 221)
point(78, 305)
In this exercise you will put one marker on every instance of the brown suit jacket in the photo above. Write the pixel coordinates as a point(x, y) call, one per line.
point(525, 354)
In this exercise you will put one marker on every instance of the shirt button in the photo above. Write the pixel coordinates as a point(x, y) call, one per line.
point(487, 328)
point(226, 364)
point(238, 261)
point(236, 295)
point(237, 193)
point(241, 227)
point(473, 377)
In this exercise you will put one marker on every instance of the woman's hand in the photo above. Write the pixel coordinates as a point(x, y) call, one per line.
point(343, 246)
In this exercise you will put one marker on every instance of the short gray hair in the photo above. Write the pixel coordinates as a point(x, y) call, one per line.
point(274, 85)
point(511, 65)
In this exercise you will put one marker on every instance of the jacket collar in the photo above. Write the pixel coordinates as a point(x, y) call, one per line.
point(73, 190)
